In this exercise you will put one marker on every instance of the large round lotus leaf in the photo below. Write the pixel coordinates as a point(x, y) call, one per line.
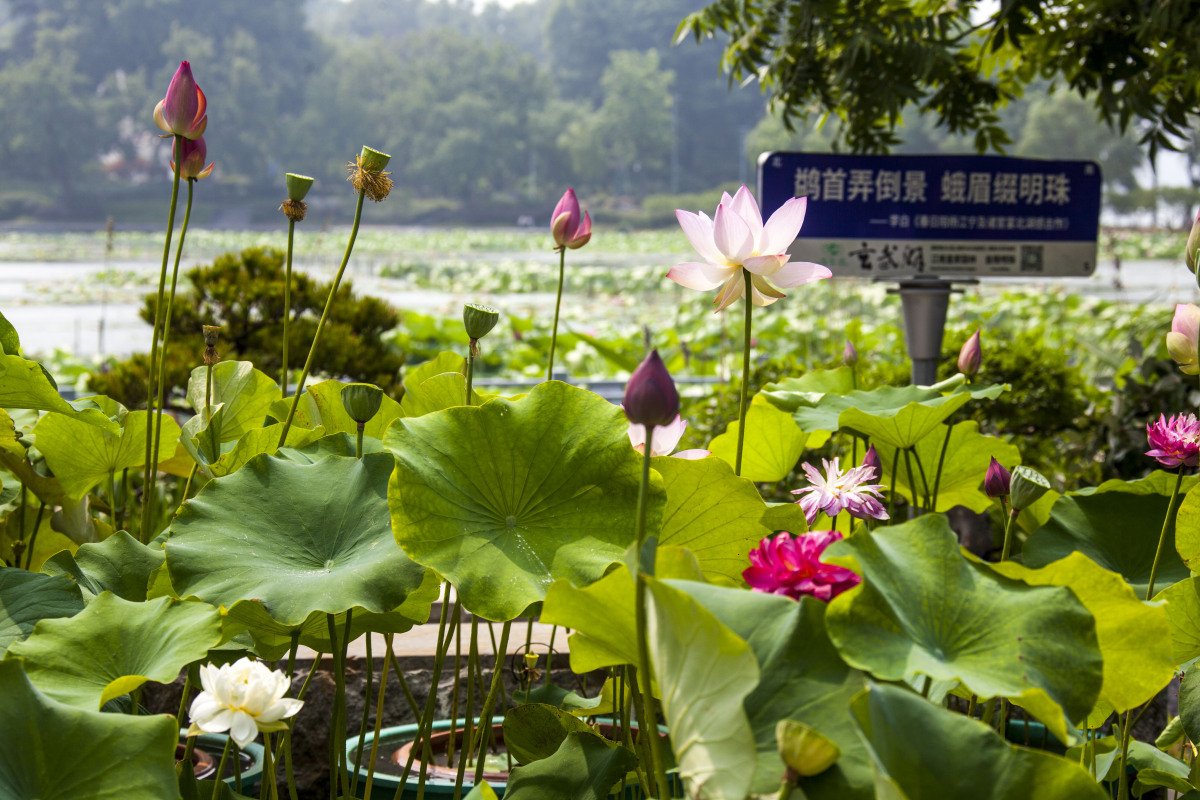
point(27, 597)
point(296, 538)
point(923, 752)
point(114, 646)
point(504, 498)
point(245, 392)
point(440, 364)
point(323, 407)
point(256, 442)
point(50, 751)
point(923, 608)
point(586, 766)
point(773, 443)
point(803, 679)
point(83, 455)
point(1183, 613)
point(1134, 637)
point(437, 393)
point(533, 731)
point(967, 459)
point(27, 384)
point(704, 672)
point(1117, 525)
point(120, 564)
point(713, 513)
point(807, 390)
point(337, 444)
point(1187, 529)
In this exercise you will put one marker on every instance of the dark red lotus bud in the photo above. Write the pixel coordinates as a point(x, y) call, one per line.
point(650, 395)
point(871, 459)
point(997, 481)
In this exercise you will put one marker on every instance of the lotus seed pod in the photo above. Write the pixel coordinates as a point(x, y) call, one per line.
point(805, 751)
point(479, 319)
point(297, 186)
point(373, 160)
point(1027, 487)
point(361, 401)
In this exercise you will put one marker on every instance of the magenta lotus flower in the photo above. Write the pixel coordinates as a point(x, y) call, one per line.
point(665, 438)
point(192, 167)
point(736, 239)
point(1183, 342)
point(569, 229)
point(997, 481)
point(184, 110)
point(791, 566)
point(970, 358)
point(1175, 441)
point(841, 491)
point(650, 395)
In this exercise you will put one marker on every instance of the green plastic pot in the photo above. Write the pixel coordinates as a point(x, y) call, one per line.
point(214, 744)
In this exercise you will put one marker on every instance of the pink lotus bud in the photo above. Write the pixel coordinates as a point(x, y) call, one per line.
point(1184, 339)
point(195, 152)
point(970, 358)
point(850, 355)
point(184, 110)
point(565, 224)
point(871, 459)
point(997, 481)
point(650, 395)
point(1193, 244)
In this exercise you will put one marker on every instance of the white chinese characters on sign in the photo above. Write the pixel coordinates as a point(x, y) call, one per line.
point(952, 186)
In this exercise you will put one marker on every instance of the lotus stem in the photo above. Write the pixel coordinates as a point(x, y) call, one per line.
point(924, 482)
point(743, 406)
point(472, 670)
point(268, 787)
point(366, 715)
point(485, 722)
point(450, 744)
point(937, 478)
point(112, 500)
point(1010, 517)
point(388, 639)
point(217, 779)
point(470, 369)
point(37, 526)
point(312, 350)
point(287, 307)
point(183, 698)
point(1162, 536)
point(408, 695)
point(562, 265)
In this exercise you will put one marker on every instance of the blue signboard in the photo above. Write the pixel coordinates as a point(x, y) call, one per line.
point(970, 216)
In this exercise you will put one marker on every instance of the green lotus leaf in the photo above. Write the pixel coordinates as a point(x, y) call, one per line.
point(967, 459)
point(1189, 703)
point(504, 498)
point(8, 435)
point(704, 672)
point(114, 646)
point(713, 513)
point(272, 639)
point(923, 608)
point(807, 390)
point(1187, 529)
point(56, 751)
point(10, 340)
point(258, 441)
point(923, 752)
point(441, 363)
point(1117, 525)
point(27, 384)
point(534, 731)
point(338, 444)
point(574, 703)
point(585, 767)
point(483, 791)
point(323, 407)
point(48, 542)
point(83, 455)
point(246, 393)
point(1183, 613)
point(1134, 637)
point(120, 564)
point(28, 597)
point(436, 393)
point(772, 446)
point(297, 538)
point(784, 517)
point(48, 490)
point(803, 679)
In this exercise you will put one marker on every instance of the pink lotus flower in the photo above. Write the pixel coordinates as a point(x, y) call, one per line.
point(841, 491)
point(665, 438)
point(997, 481)
point(184, 110)
point(791, 566)
point(1175, 441)
point(970, 358)
point(195, 152)
point(568, 228)
point(1183, 341)
point(650, 395)
point(736, 239)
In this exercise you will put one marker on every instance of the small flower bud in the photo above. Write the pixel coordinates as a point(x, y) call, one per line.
point(479, 320)
point(970, 358)
point(1183, 342)
point(297, 185)
point(361, 401)
point(210, 344)
point(871, 459)
point(1027, 487)
point(805, 751)
point(568, 228)
point(367, 175)
point(997, 481)
point(650, 395)
point(1193, 244)
point(850, 355)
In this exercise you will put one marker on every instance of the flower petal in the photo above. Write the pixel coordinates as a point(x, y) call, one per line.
point(243, 729)
point(666, 437)
point(731, 291)
point(744, 206)
point(692, 455)
point(781, 229)
point(765, 265)
point(797, 273)
point(695, 275)
point(698, 228)
point(731, 235)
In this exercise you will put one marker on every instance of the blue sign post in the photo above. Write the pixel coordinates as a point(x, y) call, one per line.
point(926, 221)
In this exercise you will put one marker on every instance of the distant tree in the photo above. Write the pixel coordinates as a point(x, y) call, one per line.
point(1064, 125)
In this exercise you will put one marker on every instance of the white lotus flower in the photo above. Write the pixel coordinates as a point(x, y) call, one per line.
point(735, 239)
point(243, 698)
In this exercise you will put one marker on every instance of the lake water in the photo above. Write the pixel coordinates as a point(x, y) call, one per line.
point(90, 308)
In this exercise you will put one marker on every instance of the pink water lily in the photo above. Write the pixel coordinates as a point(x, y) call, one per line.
point(736, 239)
point(184, 111)
point(791, 566)
point(665, 439)
point(1175, 441)
point(839, 491)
